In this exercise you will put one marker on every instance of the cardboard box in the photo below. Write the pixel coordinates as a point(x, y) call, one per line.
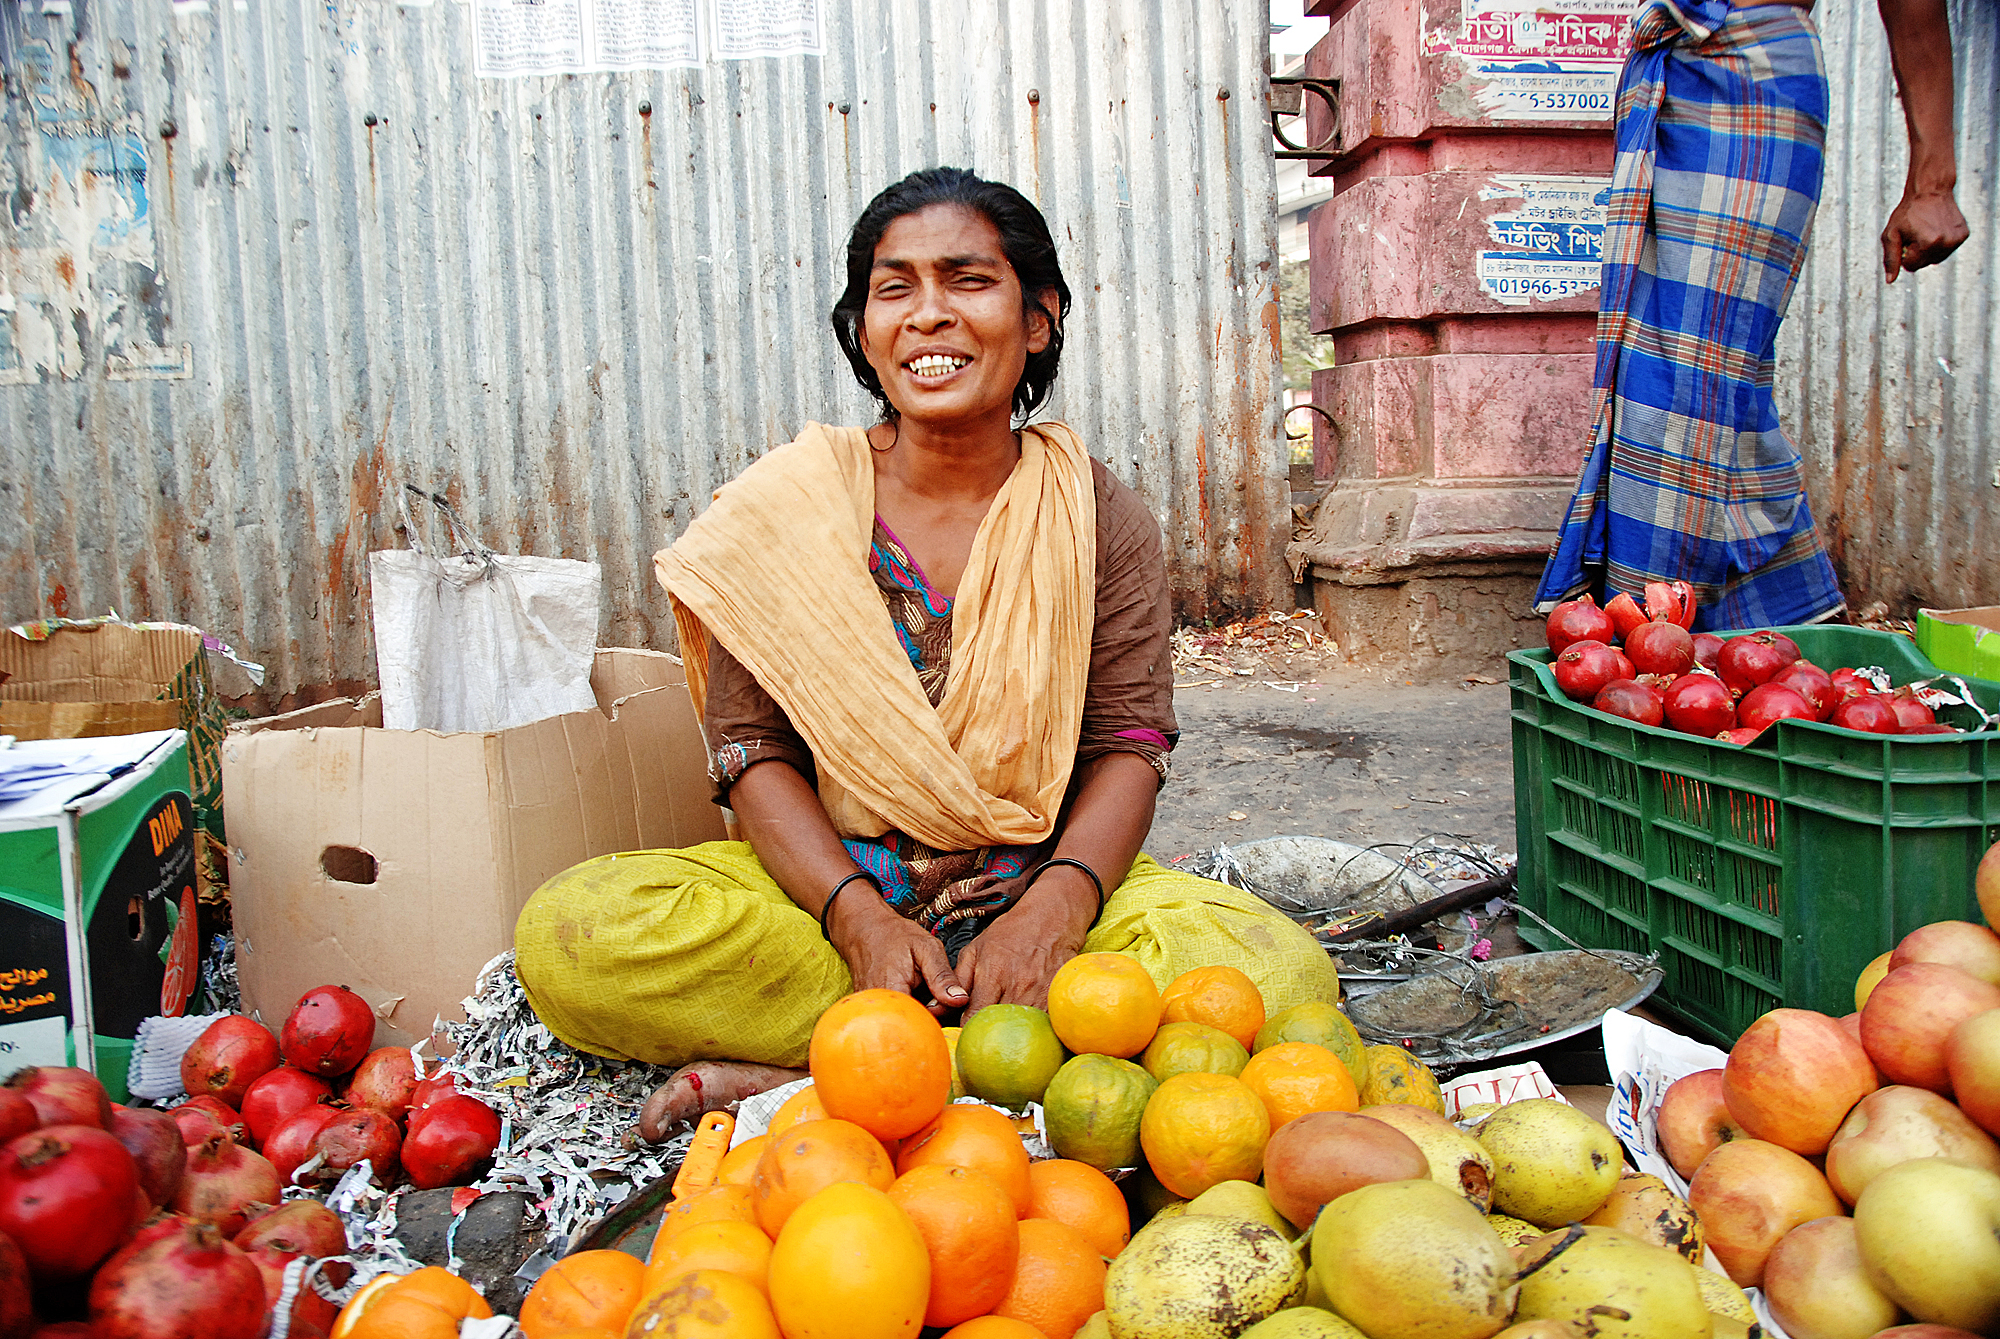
point(98, 915)
point(394, 862)
point(1962, 641)
point(87, 680)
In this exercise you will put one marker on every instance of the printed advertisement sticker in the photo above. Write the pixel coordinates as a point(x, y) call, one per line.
point(1549, 245)
point(1557, 60)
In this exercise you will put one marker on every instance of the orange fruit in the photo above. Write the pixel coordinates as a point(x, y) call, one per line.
point(1092, 1110)
point(1190, 1048)
point(880, 1060)
point(590, 1288)
point(735, 1248)
point(1104, 1004)
point(801, 1106)
point(994, 1327)
point(1322, 1024)
point(404, 1318)
point(970, 1232)
point(1058, 1282)
point(737, 1202)
point(589, 1332)
point(739, 1164)
point(427, 1304)
point(809, 1158)
point(976, 1137)
point(704, 1304)
point(1202, 1129)
point(1294, 1077)
point(1221, 997)
point(1077, 1195)
point(849, 1264)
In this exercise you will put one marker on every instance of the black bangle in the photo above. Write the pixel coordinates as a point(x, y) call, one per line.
point(1096, 882)
point(826, 907)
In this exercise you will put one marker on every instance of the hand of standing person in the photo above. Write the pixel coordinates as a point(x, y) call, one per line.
point(1926, 226)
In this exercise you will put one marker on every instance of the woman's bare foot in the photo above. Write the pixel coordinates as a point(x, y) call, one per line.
point(705, 1086)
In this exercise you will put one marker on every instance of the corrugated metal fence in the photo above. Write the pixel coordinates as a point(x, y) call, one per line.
point(1889, 391)
point(262, 261)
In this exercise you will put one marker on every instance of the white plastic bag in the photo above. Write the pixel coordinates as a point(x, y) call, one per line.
point(478, 640)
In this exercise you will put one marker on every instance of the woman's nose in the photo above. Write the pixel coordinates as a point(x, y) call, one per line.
point(931, 309)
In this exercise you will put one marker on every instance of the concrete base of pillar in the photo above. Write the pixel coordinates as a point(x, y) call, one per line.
point(1445, 624)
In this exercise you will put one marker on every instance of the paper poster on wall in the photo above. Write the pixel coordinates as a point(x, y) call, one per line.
point(1548, 246)
point(525, 38)
point(1541, 60)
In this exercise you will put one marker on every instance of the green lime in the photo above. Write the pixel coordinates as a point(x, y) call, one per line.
point(1092, 1111)
point(1322, 1024)
point(1007, 1053)
point(1193, 1048)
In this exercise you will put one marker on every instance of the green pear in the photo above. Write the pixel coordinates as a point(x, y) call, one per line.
point(1929, 1232)
point(1601, 1282)
point(1458, 1161)
point(1412, 1260)
point(1242, 1199)
point(1303, 1322)
point(1551, 1163)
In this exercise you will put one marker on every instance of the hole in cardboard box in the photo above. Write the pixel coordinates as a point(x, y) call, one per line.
point(347, 864)
point(135, 917)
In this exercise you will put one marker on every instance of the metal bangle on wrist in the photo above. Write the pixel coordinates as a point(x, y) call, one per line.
point(826, 907)
point(1090, 873)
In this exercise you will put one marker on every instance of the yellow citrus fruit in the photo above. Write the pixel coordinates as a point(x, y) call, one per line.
point(1322, 1024)
point(800, 1107)
point(1104, 1004)
point(1193, 1048)
point(1092, 1108)
point(1295, 1077)
point(732, 1201)
point(1007, 1053)
point(849, 1264)
point(1203, 1129)
point(704, 1304)
point(735, 1248)
point(957, 1080)
point(739, 1164)
point(1396, 1076)
point(1222, 997)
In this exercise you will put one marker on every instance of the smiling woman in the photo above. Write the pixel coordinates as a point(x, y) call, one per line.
point(931, 660)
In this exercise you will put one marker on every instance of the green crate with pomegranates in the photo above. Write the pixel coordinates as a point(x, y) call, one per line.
point(1763, 875)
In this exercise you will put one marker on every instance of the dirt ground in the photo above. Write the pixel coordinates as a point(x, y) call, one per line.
point(1303, 745)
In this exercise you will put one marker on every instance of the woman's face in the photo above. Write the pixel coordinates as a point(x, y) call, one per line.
point(943, 327)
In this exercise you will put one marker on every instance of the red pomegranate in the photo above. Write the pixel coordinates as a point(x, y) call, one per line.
point(17, 1290)
point(277, 1095)
point(1738, 736)
point(153, 1139)
point(1632, 700)
point(300, 1227)
point(330, 1029)
point(201, 1117)
point(1769, 703)
point(66, 1197)
point(63, 1329)
point(188, 1282)
point(1625, 614)
point(63, 1095)
point(1661, 648)
point(1707, 646)
point(433, 1089)
point(1846, 684)
point(1870, 714)
point(17, 1115)
point(450, 1141)
point(1578, 620)
point(1785, 644)
point(1698, 704)
point(383, 1082)
point(1746, 661)
point(223, 1180)
point(234, 1052)
point(1670, 602)
point(311, 1313)
point(1810, 682)
point(1582, 670)
point(354, 1135)
point(291, 1144)
point(1935, 728)
point(1909, 711)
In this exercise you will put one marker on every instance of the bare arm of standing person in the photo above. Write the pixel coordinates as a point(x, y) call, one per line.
point(1926, 226)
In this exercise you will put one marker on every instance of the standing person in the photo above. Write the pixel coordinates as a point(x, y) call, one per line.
point(1689, 476)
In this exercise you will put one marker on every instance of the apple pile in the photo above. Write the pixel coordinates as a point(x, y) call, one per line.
point(1850, 1166)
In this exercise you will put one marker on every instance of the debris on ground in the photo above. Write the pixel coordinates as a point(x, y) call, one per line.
point(1280, 646)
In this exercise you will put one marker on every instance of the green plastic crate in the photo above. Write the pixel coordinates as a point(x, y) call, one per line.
point(1763, 876)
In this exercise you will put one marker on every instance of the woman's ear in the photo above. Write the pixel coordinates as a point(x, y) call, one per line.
point(1041, 325)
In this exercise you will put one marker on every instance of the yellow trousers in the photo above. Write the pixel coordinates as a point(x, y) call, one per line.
point(674, 956)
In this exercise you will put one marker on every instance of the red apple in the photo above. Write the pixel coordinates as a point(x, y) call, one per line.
point(1818, 1287)
point(1973, 949)
point(1896, 1124)
point(1972, 1061)
point(1793, 1076)
point(1911, 1013)
point(1748, 1194)
point(1694, 1120)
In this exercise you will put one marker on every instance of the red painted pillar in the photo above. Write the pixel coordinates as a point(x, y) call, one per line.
point(1456, 270)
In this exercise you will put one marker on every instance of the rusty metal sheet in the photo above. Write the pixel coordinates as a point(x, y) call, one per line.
point(1890, 391)
point(262, 263)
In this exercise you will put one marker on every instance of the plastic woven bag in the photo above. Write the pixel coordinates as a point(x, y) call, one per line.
point(478, 640)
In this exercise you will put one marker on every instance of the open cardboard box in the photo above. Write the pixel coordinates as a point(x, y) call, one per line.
point(1962, 641)
point(394, 862)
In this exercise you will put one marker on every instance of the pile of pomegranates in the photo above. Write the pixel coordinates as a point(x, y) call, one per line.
point(165, 1223)
point(1645, 666)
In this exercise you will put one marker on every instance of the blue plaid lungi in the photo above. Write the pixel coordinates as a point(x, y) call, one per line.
point(1721, 122)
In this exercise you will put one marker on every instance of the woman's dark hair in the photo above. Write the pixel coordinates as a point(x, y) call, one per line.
point(1024, 240)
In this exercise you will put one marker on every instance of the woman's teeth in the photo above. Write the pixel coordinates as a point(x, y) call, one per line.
point(936, 365)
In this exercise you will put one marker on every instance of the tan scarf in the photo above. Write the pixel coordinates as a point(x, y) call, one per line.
point(777, 570)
